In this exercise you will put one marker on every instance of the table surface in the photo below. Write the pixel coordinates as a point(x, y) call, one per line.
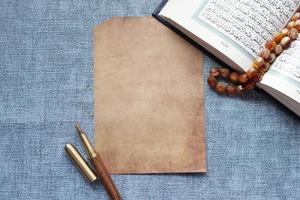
point(253, 142)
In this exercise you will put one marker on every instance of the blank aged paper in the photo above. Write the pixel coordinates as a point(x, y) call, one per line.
point(149, 98)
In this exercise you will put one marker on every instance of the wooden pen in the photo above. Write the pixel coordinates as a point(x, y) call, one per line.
point(99, 166)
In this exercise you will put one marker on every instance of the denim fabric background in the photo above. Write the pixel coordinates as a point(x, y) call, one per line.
point(253, 142)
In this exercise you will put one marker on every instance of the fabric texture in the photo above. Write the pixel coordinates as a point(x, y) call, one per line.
point(253, 142)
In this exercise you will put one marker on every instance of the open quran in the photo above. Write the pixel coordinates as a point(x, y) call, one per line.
point(235, 31)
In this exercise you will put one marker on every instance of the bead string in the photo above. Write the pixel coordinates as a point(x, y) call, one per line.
point(240, 83)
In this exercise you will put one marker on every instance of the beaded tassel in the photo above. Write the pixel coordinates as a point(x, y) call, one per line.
point(241, 83)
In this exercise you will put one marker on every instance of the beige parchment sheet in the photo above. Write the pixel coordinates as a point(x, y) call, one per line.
point(149, 98)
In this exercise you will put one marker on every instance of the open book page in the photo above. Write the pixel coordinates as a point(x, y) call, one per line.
point(235, 29)
point(248, 23)
point(284, 77)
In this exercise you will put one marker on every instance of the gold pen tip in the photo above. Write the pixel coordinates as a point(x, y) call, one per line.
point(84, 139)
point(78, 128)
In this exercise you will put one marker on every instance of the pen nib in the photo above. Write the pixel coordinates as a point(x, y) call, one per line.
point(78, 128)
point(86, 143)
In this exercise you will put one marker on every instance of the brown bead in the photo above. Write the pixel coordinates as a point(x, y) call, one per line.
point(291, 25)
point(259, 61)
point(271, 58)
point(286, 42)
point(258, 77)
point(270, 45)
point(212, 81)
point(250, 85)
point(251, 73)
point(297, 25)
point(214, 71)
point(230, 89)
point(239, 89)
point(255, 66)
point(296, 16)
point(293, 34)
point(285, 31)
point(234, 77)
point(265, 67)
point(221, 88)
point(278, 49)
point(224, 72)
point(278, 37)
point(265, 53)
point(243, 78)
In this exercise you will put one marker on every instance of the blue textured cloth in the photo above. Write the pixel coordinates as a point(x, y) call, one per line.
point(253, 142)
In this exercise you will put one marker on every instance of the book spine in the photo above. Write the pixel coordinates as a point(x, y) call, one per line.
point(159, 8)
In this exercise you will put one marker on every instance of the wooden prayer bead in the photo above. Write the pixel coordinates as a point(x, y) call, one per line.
point(285, 32)
point(224, 72)
point(265, 67)
point(212, 81)
point(278, 49)
point(251, 73)
point(234, 77)
point(293, 34)
point(214, 72)
point(255, 66)
point(297, 25)
point(259, 61)
point(239, 89)
point(296, 16)
point(270, 45)
point(250, 85)
point(230, 89)
point(285, 42)
point(221, 88)
point(243, 78)
point(258, 77)
point(278, 37)
point(271, 58)
point(291, 25)
point(265, 53)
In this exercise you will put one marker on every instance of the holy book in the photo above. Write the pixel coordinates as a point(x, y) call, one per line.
point(235, 31)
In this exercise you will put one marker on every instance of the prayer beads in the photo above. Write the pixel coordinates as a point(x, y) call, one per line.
point(242, 82)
